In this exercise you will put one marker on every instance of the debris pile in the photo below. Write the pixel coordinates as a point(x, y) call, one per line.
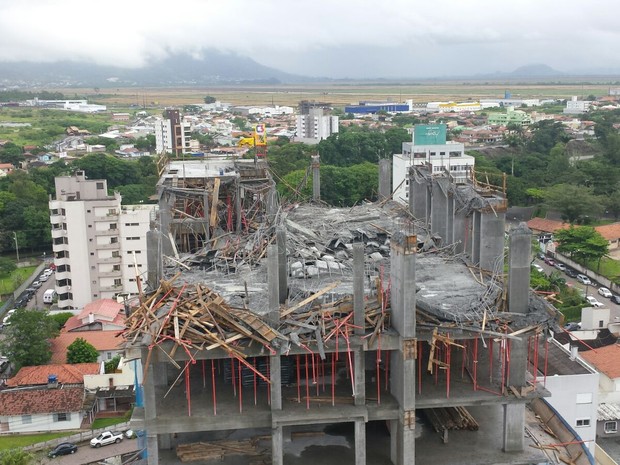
point(194, 317)
point(217, 450)
point(451, 418)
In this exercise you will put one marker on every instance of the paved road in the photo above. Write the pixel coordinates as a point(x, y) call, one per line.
point(614, 309)
point(86, 454)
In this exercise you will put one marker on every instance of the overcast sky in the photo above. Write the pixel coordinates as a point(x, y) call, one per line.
point(333, 38)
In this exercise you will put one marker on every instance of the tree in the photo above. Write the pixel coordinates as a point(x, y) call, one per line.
point(209, 99)
point(16, 457)
point(61, 318)
point(7, 265)
point(582, 244)
point(112, 365)
point(26, 339)
point(81, 351)
point(575, 203)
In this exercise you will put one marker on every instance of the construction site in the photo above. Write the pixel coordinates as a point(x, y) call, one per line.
point(267, 326)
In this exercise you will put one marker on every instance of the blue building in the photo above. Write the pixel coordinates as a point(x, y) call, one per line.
point(367, 108)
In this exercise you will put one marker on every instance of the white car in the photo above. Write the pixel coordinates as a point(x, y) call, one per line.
point(583, 279)
point(538, 268)
point(605, 292)
point(593, 302)
point(105, 438)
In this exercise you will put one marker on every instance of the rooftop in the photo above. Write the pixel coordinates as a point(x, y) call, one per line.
point(101, 340)
point(42, 400)
point(65, 374)
point(605, 359)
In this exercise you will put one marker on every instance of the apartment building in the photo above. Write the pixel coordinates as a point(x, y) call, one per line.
point(99, 246)
point(315, 126)
point(172, 133)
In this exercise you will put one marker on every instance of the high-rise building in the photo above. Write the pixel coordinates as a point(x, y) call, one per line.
point(99, 246)
point(172, 134)
point(315, 126)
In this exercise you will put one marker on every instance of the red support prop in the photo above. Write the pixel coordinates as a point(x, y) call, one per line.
point(254, 363)
point(448, 357)
point(464, 355)
point(387, 371)
point(187, 390)
point(204, 375)
point(333, 379)
point(213, 387)
point(234, 380)
point(475, 362)
point(307, 384)
point(268, 384)
point(240, 390)
point(546, 355)
point(420, 348)
point(491, 360)
point(535, 359)
point(377, 363)
point(298, 381)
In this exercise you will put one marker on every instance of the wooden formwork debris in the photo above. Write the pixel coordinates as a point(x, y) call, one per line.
point(217, 450)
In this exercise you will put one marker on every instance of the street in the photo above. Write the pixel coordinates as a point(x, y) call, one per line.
point(614, 309)
point(86, 454)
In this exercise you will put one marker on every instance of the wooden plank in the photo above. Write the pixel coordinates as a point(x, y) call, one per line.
point(214, 203)
point(310, 299)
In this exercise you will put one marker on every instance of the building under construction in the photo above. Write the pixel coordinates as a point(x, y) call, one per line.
point(265, 323)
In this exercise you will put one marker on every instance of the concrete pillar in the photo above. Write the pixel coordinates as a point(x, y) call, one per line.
point(271, 200)
point(476, 240)
point(514, 424)
point(518, 363)
point(154, 256)
point(359, 372)
point(165, 220)
point(282, 268)
point(275, 376)
point(165, 441)
point(419, 196)
point(273, 282)
point(277, 446)
point(152, 449)
point(360, 442)
point(402, 275)
point(449, 239)
point(239, 192)
point(460, 231)
point(492, 230)
point(385, 178)
point(358, 288)
point(520, 250)
point(316, 178)
point(394, 441)
point(439, 209)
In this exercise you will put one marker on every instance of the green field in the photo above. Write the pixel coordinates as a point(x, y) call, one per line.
point(22, 440)
point(10, 282)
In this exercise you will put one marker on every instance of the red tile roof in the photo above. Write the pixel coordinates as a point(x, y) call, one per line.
point(105, 307)
point(101, 340)
point(605, 359)
point(545, 225)
point(609, 231)
point(33, 401)
point(66, 374)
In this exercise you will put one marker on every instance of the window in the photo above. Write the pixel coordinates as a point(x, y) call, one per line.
point(116, 268)
point(27, 419)
point(610, 427)
point(62, 416)
point(132, 224)
point(118, 282)
point(99, 185)
point(133, 238)
point(600, 323)
point(581, 422)
point(116, 254)
point(90, 225)
point(113, 226)
point(113, 240)
point(87, 211)
point(109, 355)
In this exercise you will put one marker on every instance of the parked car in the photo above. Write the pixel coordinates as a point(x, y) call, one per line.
point(541, 256)
point(593, 302)
point(570, 272)
point(583, 279)
point(37, 284)
point(560, 266)
point(574, 326)
point(538, 268)
point(64, 448)
point(605, 292)
point(105, 438)
point(549, 261)
point(43, 278)
point(615, 299)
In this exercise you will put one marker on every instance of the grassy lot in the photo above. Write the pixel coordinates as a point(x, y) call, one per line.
point(8, 283)
point(609, 268)
point(107, 422)
point(22, 440)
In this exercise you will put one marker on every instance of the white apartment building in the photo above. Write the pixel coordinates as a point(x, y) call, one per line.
point(315, 126)
point(98, 244)
point(449, 157)
point(172, 134)
point(576, 107)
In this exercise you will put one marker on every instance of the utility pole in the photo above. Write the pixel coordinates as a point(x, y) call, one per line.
point(16, 246)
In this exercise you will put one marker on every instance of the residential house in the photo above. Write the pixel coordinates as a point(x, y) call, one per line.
point(41, 409)
point(607, 361)
point(106, 342)
point(100, 315)
point(113, 393)
point(65, 374)
point(6, 169)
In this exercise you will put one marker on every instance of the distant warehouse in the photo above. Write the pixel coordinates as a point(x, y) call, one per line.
point(375, 107)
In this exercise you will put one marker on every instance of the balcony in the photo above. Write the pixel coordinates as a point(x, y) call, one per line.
point(112, 260)
point(112, 288)
point(110, 274)
point(63, 289)
point(107, 232)
point(60, 247)
point(58, 233)
point(56, 219)
point(113, 246)
point(107, 217)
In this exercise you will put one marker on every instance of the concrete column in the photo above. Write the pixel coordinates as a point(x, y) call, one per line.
point(239, 191)
point(275, 375)
point(205, 209)
point(360, 442)
point(514, 424)
point(385, 178)
point(359, 371)
point(358, 288)
point(154, 255)
point(460, 233)
point(439, 209)
point(282, 268)
point(277, 446)
point(165, 441)
point(520, 250)
point(152, 449)
point(419, 195)
point(450, 220)
point(403, 299)
point(273, 281)
point(518, 362)
point(394, 441)
point(476, 239)
point(492, 230)
point(316, 178)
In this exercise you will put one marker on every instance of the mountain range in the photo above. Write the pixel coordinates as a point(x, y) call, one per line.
point(212, 68)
